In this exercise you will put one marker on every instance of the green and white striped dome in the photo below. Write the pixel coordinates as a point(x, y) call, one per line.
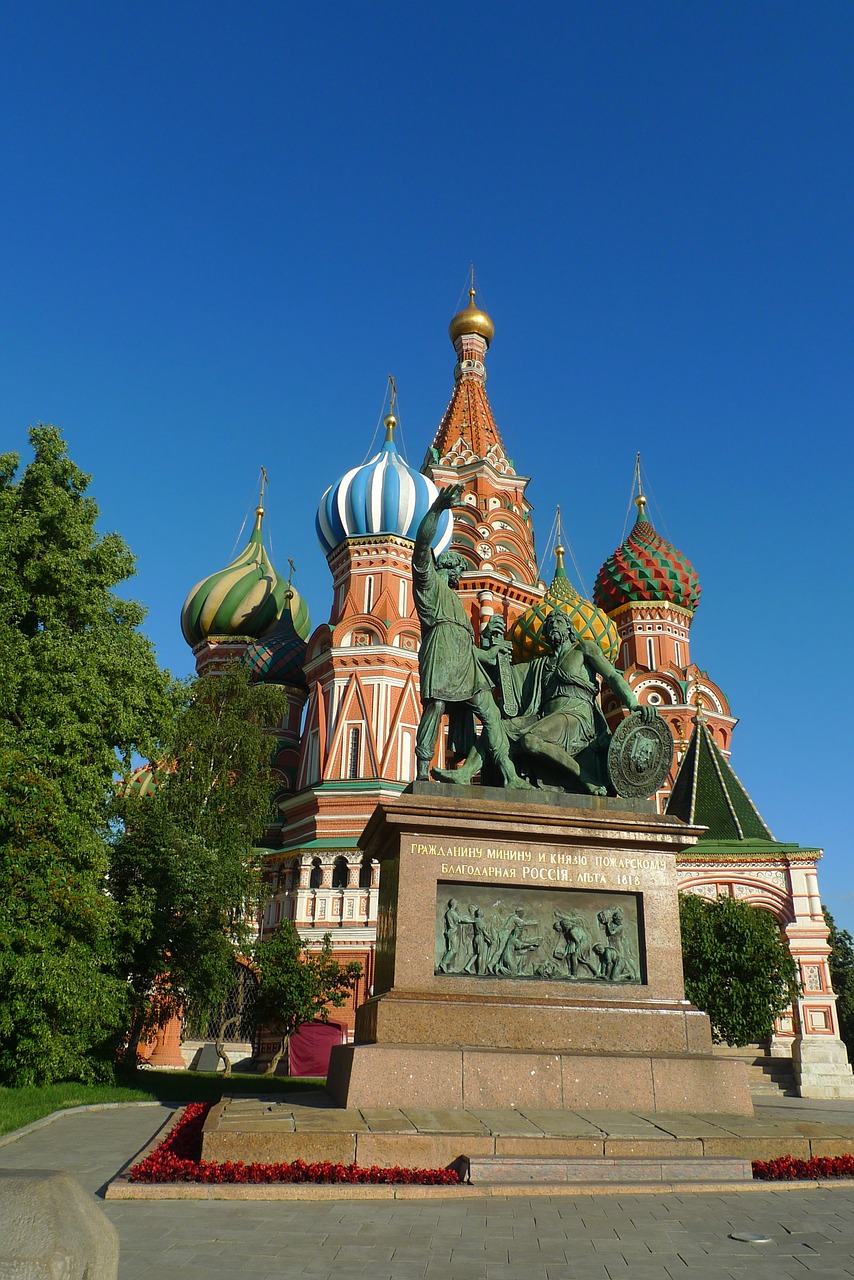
point(246, 598)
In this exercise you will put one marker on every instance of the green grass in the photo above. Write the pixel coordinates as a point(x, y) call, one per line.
point(22, 1106)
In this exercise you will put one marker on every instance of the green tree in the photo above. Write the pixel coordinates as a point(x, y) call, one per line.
point(60, 1008)
point(738, 968)
point(841, 962)
point(298, 985)
point(80, 691)
point(185, 872)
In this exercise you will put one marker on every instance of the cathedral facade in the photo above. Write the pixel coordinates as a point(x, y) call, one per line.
point(348, 740)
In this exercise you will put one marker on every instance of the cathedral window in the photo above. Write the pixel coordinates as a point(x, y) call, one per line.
point(365, 873)
point(677, 649)
point(650, 653)
point(339, 873)
point(316, 878)
point(353, 750)
point(402, 599)
point(407, 755)
point(369, 594)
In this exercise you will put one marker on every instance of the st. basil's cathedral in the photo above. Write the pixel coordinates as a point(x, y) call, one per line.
point(348, 738)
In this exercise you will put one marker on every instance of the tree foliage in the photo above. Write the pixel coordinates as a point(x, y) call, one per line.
point(60, 1008)
point(185, 873)
point(297, 984)
point(80, 691)
point(738, 968)
point(841, 963)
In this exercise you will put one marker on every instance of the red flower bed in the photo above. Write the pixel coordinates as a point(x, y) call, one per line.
point(177, 1160)
point(788, 1169)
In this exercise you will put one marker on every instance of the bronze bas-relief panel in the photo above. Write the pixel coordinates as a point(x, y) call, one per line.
point(553, 935)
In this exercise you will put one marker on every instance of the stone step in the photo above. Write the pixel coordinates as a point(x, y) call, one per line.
point(769, 1076)
point(490, 1170)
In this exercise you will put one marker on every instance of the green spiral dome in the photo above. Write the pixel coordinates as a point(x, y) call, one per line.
point(246, 598)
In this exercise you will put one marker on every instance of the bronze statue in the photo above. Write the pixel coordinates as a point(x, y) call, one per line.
point(546, 724)
point(449, 671)
point(567, 719)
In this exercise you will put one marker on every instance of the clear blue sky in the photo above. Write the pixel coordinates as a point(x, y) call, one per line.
point(223, 225)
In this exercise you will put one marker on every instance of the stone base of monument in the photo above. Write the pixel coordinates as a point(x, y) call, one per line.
point(528, 954)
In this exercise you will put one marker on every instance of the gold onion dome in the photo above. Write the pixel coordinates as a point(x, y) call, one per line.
point(246, 598)
point(588, 622)
point(472, 320)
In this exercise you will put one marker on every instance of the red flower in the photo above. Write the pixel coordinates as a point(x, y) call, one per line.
point(177, 1159)
point(790, 1169)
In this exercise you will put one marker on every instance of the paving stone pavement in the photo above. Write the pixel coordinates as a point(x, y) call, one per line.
point(647, 1237)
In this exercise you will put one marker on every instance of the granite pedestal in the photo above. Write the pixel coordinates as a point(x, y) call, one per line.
point(547, 1021)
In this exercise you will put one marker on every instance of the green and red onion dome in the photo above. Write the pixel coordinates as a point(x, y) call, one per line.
point(646, 567)
point(246, 598)
point(588, 622)
point(279, 657)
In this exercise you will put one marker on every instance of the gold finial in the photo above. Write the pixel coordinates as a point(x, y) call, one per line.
point(259, 510)
point(559, 554)
point(640, 500)
point(390, 421)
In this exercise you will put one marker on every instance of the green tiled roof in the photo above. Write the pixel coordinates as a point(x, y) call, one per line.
point(708, 793)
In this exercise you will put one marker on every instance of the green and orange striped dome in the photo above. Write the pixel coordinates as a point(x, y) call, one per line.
point(646, 567)
point(246, 598)
point(588, 622)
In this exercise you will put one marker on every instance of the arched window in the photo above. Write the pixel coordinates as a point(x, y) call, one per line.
point(365, 873)
point(339, 874)
point(316, 877)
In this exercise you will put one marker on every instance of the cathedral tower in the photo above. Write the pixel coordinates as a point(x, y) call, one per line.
point(650, 591)
point(492, 524)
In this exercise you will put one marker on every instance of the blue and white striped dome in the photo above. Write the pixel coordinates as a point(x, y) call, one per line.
point(384, 495)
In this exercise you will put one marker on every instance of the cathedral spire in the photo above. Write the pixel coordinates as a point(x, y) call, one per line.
point(492, 524)
point(468, 427)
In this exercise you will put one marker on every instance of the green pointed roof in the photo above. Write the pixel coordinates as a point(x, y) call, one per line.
point(708, 793)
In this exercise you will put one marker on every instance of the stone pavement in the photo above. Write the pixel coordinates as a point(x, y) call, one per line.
point(646, 1237)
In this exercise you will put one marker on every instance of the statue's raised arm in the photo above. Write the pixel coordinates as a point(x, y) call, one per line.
point(422, 556)
point(448, 670)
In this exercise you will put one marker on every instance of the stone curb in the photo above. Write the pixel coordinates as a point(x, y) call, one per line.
point(7, 1138)
point(121, 1189)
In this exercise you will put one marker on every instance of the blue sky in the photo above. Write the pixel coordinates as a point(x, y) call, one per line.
point(223, 225)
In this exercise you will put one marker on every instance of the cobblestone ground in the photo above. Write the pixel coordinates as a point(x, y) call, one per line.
point(647, 1237)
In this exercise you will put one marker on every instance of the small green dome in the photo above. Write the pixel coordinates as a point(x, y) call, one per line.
point(246, 598)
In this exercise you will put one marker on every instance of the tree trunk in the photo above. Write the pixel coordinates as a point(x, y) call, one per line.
point(230, 1024)
point(129, 1057)
point(277, 1057)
